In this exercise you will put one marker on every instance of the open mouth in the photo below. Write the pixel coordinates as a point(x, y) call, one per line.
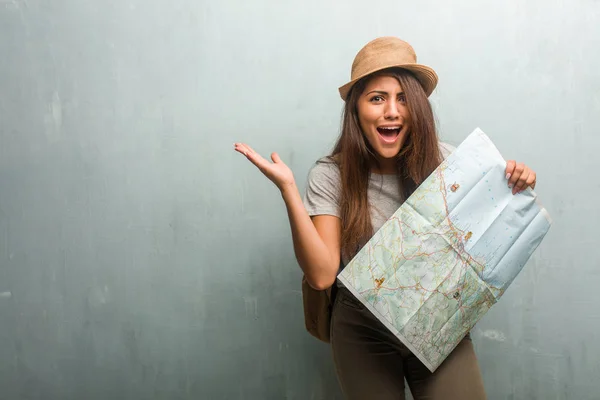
point(389, 134)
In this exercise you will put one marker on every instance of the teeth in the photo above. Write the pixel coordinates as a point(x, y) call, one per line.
point(390, 128)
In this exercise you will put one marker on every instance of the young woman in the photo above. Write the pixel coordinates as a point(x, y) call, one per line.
point(388, 145)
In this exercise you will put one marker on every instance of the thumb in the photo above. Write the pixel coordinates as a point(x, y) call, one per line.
point(275, 158)
point(510, 167)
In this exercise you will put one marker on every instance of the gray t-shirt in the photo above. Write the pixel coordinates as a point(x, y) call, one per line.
point(323, 190)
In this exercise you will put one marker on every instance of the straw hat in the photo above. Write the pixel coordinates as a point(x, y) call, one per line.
point(386, 52)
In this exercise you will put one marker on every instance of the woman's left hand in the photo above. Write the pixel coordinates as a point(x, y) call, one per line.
point(519, 176)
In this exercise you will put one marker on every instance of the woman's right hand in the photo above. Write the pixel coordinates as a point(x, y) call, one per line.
point(279, 173)
point(316, 244)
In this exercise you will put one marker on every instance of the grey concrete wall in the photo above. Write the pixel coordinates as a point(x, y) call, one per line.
point(141, 258)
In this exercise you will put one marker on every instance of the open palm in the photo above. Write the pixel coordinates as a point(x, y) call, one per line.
point(279, 173)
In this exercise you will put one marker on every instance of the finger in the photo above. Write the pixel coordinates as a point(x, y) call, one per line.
point(519, 168)
point(275, 158)
point(522, 182)
point(531, 180)
point(253, 156)
point(510, 167)
point(243, 148)
point(240, 148)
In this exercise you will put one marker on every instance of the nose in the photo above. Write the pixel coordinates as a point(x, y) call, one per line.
point(391, 111)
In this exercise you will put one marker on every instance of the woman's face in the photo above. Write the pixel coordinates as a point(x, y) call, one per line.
point(384, 118)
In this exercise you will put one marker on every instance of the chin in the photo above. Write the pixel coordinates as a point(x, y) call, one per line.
point(388, 155)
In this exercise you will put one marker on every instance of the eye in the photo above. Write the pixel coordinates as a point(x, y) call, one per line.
point(402, 98)
point(376, 99)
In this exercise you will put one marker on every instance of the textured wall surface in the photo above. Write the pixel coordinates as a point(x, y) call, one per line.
point(141, 258)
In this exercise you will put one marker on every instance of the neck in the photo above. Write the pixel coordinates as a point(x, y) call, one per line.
point(385, 167)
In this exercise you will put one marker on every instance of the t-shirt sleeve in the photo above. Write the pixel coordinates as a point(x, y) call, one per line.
point(321, 196)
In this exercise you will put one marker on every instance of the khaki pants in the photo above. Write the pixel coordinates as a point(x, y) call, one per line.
point(372, 363)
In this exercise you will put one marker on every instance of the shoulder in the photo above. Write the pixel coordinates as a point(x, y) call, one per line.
point(323, 188)
point(325, 169)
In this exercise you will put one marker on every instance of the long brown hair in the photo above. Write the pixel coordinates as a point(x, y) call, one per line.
point(355, 157)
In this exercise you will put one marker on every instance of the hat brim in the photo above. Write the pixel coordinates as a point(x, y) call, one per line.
point(424, 74)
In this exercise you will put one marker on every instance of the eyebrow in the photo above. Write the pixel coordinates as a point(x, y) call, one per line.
point(382, 92)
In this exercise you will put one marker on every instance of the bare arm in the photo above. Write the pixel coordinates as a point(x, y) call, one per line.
point(317, 240)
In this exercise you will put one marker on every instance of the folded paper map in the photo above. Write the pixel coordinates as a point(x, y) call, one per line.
point(449, 252)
